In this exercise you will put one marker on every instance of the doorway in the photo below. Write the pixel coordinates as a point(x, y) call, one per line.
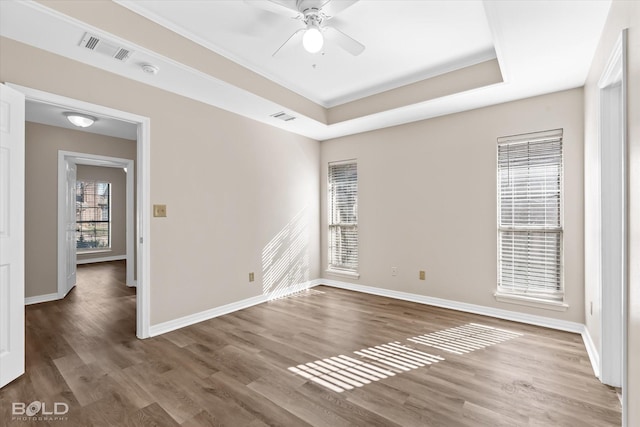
point(67, 227)
point(141, 220)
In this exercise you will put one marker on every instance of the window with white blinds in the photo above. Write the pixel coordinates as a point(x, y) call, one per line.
point(530, 215)
point(343, 216)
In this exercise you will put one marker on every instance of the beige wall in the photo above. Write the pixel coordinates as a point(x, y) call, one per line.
point(118, 179)
point(236, 190)
point(42, 144)
point(427, 200)
point(623, 14)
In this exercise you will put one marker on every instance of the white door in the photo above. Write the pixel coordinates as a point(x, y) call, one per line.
point(70, 224)
point(11, 235)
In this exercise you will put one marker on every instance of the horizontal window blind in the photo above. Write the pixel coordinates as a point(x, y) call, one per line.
point(530, 214)
point(343, 215)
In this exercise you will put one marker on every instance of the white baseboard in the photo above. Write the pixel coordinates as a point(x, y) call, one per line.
point(101, 259)
point(547, 322)
point(562, 325)
point(594, 357)
point(41, 298)
point(191, 319)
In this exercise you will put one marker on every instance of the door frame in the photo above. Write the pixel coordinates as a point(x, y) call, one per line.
point(614, 296)
point(143, 211)
point(102, 161)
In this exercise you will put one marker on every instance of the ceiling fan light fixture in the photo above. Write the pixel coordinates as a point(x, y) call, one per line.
point(80, 120)
point(312, 40)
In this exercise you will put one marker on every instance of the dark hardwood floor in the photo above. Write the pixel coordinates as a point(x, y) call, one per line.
point(325, 357)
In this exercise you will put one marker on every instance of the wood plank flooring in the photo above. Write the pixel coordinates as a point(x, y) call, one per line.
point(244, 369)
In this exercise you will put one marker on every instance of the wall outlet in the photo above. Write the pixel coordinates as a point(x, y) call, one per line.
point(591, 308)
point(251, 277)
point(394, 271)
point(422, 275)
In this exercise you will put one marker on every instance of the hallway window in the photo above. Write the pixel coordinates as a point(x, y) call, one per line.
point(343, 216)
point(530, 216)
point(93, 215)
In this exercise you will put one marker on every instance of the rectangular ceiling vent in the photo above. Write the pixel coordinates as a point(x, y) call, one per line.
point(283, 116)
point(105, 47)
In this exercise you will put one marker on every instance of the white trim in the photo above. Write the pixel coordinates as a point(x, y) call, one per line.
point(143, 222)
point(624, 399)
point(143, 214)
point(530, 301)
point(181, 322)
point(344, 273)
point(547, 322)
point(592, 351)
point(92, 251)
point(613, 72)
point(102, 259)
point(613, 165)
point(41, 298)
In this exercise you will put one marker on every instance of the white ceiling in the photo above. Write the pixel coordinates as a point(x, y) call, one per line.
point(541, 46)
point(406, 41)
point(53, 115)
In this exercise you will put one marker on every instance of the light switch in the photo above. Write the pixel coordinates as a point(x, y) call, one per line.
point(160, 210)
point(422, 275)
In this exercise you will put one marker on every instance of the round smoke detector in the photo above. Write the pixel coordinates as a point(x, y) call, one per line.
point(150, 68)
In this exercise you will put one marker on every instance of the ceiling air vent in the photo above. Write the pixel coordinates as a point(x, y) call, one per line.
point(105, 47)
point(283, 116)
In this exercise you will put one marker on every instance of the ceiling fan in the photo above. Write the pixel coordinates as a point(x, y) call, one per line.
point(315, 14)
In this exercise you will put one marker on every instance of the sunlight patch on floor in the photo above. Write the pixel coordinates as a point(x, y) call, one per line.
point(465, 339)
point(399, 357)
point(345, 373)
point(386, 360)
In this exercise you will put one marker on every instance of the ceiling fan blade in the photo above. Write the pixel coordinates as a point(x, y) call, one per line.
point(274, 7)
point(295, 37)
point(346, 42)
point(333, 7)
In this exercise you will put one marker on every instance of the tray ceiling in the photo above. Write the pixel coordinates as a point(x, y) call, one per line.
point(423, 59)
point(406, 41)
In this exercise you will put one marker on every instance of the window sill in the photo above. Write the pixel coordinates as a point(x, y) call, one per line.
point(531, 301)
point(343, 273)
point(91, 251)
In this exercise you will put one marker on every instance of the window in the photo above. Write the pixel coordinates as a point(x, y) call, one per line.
point(93, 215)
point(343, 216)
point(530, 216)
